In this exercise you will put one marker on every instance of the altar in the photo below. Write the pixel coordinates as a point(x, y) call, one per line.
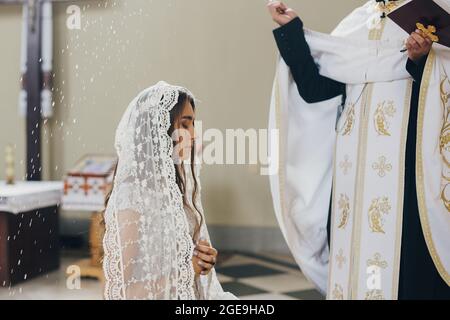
point(29, 230)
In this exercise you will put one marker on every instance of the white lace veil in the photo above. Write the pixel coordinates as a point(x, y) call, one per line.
point(147, 244)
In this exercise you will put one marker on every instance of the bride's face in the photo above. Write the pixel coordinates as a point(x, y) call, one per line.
point(184, 132)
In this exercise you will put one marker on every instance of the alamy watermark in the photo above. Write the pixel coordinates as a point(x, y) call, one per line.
point(73, 21)
point(233, 147)
point(73, 281)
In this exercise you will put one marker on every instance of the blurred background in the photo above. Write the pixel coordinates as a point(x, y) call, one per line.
point(224, 52)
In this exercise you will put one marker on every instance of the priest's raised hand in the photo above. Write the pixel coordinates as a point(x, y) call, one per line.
point(280, 13)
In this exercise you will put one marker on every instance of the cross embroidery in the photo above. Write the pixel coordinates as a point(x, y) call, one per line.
point(345, 165)
point(382, 166)
point(340, 259)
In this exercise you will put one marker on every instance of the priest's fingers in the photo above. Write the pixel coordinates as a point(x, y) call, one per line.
point(428, 41)
point(413, 43)
point(408, 46)
point(419, 39)
point(275, 8)
point(291, 13)
point(273, 5)
point(283, 6)
point(278, 10)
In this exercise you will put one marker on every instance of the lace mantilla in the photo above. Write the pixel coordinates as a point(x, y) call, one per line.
point(148, 249)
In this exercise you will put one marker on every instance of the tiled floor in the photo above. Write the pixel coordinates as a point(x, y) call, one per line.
point(250, 277)
point(264, 277)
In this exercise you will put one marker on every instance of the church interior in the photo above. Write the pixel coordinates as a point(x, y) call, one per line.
point(68, 71)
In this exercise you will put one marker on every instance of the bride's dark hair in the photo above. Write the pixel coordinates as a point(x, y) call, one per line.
point(175, 114)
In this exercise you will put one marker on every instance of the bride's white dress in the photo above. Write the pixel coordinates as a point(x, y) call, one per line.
point(148, 241)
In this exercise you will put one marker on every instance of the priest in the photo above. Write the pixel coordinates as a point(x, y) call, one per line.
point(365, 124)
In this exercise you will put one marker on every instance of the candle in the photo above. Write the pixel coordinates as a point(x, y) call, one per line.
point(9, 164)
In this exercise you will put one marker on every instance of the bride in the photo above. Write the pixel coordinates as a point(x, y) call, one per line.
point(156, 243)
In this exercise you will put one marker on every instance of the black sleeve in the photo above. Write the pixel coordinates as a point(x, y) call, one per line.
point(416, 69)
point(295, 51)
